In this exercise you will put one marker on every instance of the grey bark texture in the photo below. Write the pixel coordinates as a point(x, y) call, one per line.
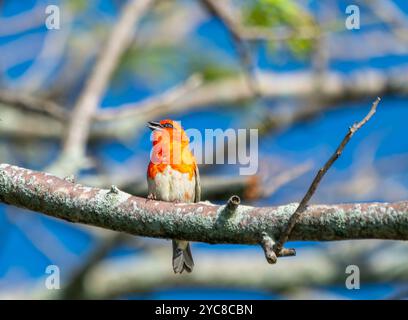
point(203, 222)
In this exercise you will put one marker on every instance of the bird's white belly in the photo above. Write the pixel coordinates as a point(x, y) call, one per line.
point(173, 186)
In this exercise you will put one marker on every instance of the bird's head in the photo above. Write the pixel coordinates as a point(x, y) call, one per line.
point(168, 131)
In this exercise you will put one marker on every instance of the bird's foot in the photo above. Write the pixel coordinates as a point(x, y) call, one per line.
point(150, 197)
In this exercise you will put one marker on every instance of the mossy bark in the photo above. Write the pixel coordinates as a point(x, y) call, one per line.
point(204, 222)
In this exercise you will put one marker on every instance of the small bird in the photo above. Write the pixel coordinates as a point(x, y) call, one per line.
point(172, 175)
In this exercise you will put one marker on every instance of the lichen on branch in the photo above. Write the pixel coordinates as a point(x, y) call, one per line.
point(203, 222)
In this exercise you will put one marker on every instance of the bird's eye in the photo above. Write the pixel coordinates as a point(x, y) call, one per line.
point(168, 125)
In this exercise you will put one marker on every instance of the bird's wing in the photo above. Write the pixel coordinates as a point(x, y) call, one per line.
point(197, 196)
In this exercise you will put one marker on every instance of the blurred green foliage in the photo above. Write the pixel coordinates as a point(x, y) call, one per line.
point(166, 61)
point(268, 13)
point(211, 71)
point(77, 5)
point(288, 13)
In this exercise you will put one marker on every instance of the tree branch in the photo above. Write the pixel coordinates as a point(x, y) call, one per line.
point(152, 107)
point(202, 221)
point(336, 87)
point(22, 22)
point(34, 104)
point(391, 15)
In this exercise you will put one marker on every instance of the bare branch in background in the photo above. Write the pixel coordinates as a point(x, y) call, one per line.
point(219, 10)
point(34, 104)
point(336, 87)
point(284, 177)
point(76, 284)
point(391, 15)
point(152, 107)
point(213, 187)
point(42, 239)
point(74, 146)
point(117, 278)
point(48, 59)
point(22, 22)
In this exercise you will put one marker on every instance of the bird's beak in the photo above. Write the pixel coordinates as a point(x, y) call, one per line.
point(154, 125)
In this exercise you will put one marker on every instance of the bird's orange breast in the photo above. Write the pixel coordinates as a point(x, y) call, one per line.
point(184, 164)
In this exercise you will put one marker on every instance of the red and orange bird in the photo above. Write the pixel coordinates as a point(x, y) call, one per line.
point(172, 175)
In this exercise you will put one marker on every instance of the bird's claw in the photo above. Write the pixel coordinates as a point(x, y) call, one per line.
point(150, 197)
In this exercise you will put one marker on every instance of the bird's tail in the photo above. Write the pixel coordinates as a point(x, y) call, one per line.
point(182, 258)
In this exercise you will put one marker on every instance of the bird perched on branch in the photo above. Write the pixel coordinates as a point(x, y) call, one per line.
point(172, 175)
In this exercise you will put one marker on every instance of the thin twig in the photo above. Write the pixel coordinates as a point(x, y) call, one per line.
point(312, 189)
